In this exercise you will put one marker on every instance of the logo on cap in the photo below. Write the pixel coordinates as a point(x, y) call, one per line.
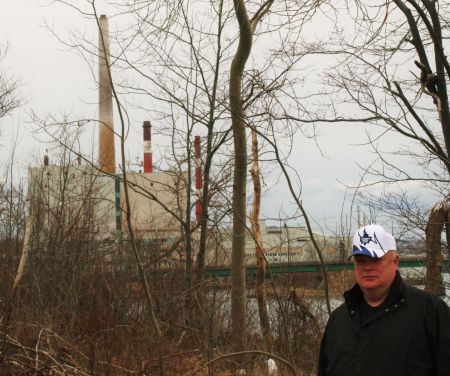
point(366, 238)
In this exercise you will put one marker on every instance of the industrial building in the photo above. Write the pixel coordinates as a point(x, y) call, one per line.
point(289, 244)
point(83, 196)
point(90, 197)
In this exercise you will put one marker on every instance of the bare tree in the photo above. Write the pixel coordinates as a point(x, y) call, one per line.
point(388, 67)
point(247, 26)
point(10, 97)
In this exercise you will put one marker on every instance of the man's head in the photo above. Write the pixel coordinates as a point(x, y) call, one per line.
point(376, 260)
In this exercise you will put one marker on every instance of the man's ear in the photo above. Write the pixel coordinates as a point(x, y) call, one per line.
point(395, 257)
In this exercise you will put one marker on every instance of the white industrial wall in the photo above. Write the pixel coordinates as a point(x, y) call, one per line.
point(82, 191)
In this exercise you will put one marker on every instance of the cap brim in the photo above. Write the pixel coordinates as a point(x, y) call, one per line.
point(364, 251)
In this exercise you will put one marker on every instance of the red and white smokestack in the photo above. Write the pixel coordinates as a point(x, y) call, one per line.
point(148, 159)
point(106, 149)
point(198, 179)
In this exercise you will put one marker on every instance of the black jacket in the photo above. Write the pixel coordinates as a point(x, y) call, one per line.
point(408, 336)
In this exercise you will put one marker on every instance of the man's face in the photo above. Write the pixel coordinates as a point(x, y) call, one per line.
point(373, 273)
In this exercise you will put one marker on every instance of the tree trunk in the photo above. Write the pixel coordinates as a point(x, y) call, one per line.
point(433, 231)
point(259, 248)
point(238, 301)
point(9, 306)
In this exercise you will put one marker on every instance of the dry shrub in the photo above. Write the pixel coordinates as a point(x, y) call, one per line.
point(88, 300)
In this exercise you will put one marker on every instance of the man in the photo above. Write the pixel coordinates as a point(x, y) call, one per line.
point(385, 328)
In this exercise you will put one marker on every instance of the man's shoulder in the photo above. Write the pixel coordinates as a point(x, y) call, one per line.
point(340, 310)
point(424, 297)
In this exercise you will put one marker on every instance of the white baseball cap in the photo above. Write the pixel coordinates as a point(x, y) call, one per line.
point(372, 240)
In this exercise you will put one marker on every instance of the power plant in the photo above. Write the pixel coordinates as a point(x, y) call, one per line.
point(89, 197)
point(92, 194)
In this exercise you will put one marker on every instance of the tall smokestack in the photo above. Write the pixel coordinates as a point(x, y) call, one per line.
point(106, 149)
point(198, 178)
point(148, 162)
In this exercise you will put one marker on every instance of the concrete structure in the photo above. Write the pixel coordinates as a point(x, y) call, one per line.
point(73, 197)
point(81, 197)
point(106, 148)
point(286, 244)
point(156, 200)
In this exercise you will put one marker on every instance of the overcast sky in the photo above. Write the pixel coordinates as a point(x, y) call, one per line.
point(54, 79)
